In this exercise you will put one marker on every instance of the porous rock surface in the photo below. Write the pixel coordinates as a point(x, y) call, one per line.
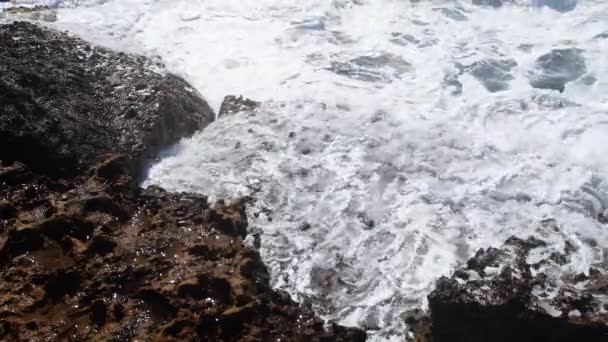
point(88, 101)
point(232, 105)
point(99, 259)
point(519, 292)
point(87, 255)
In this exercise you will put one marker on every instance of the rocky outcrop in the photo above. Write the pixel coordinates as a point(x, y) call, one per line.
point(86, 255)
point(520, 293)
point(100, 259)
point(83, 101)
point(233, 105)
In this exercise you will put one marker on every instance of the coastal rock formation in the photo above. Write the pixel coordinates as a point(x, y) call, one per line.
point(88, 101)
point(519, 292)
point(100, 259)
point(85, 254)
point(233, 105)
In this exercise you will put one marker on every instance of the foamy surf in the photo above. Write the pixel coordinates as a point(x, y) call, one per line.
point(396, 137)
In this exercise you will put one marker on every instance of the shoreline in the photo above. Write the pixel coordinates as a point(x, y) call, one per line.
point(88, 255)
point(464, 282)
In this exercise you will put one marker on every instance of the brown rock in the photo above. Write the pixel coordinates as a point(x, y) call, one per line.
point(168, 266)
point(86, 255)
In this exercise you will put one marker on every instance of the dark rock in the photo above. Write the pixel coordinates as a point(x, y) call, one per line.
point(504, 298)
point(85, 254)
point(16, 173)
point(557, 68)
point(557, 5)
point(304, 226)
point(101, 245)
point(99, 312)
point(19, 241)
point(494, 74)
point(384, 67)
point(233, 104)
point(65, 103)
point(62, 283)
point(7, 210)
point(111, 169)
point(169, 258)
point(339, 333)
point(493, 3)
point(419, 325)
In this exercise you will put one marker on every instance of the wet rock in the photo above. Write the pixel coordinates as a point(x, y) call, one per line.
point(65, 102)
point(500, 296)
point(152, 274)
point(557, 68)
point(419, 325)
point(99, 312)
point(7, 210)
point(16, 173)
point(384, 67)
point(452, 13)
point(111, 169)
point(231, 219)
point(304, 226)
point(62, 283)
point(368, 223)
point(233, 104)
point(493, 3)
point(19, 241)
point(494, 74)
point(339, 333)
point(85, 254)
point(101, 245)
point(557, 5)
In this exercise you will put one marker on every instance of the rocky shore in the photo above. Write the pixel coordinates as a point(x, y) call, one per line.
point(520, 292)
point(85, 254)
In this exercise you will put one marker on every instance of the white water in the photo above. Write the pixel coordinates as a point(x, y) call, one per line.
point(401, 163)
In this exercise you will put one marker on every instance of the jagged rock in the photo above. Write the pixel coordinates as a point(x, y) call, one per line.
point(85, 254)
point(65, 103)
point(233, 104)
point(115, 262)
point(500, 296)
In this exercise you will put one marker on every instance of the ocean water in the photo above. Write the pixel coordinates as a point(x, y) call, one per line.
point(395, 137)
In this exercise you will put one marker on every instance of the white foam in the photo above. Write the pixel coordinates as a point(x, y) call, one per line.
point(400, 180)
